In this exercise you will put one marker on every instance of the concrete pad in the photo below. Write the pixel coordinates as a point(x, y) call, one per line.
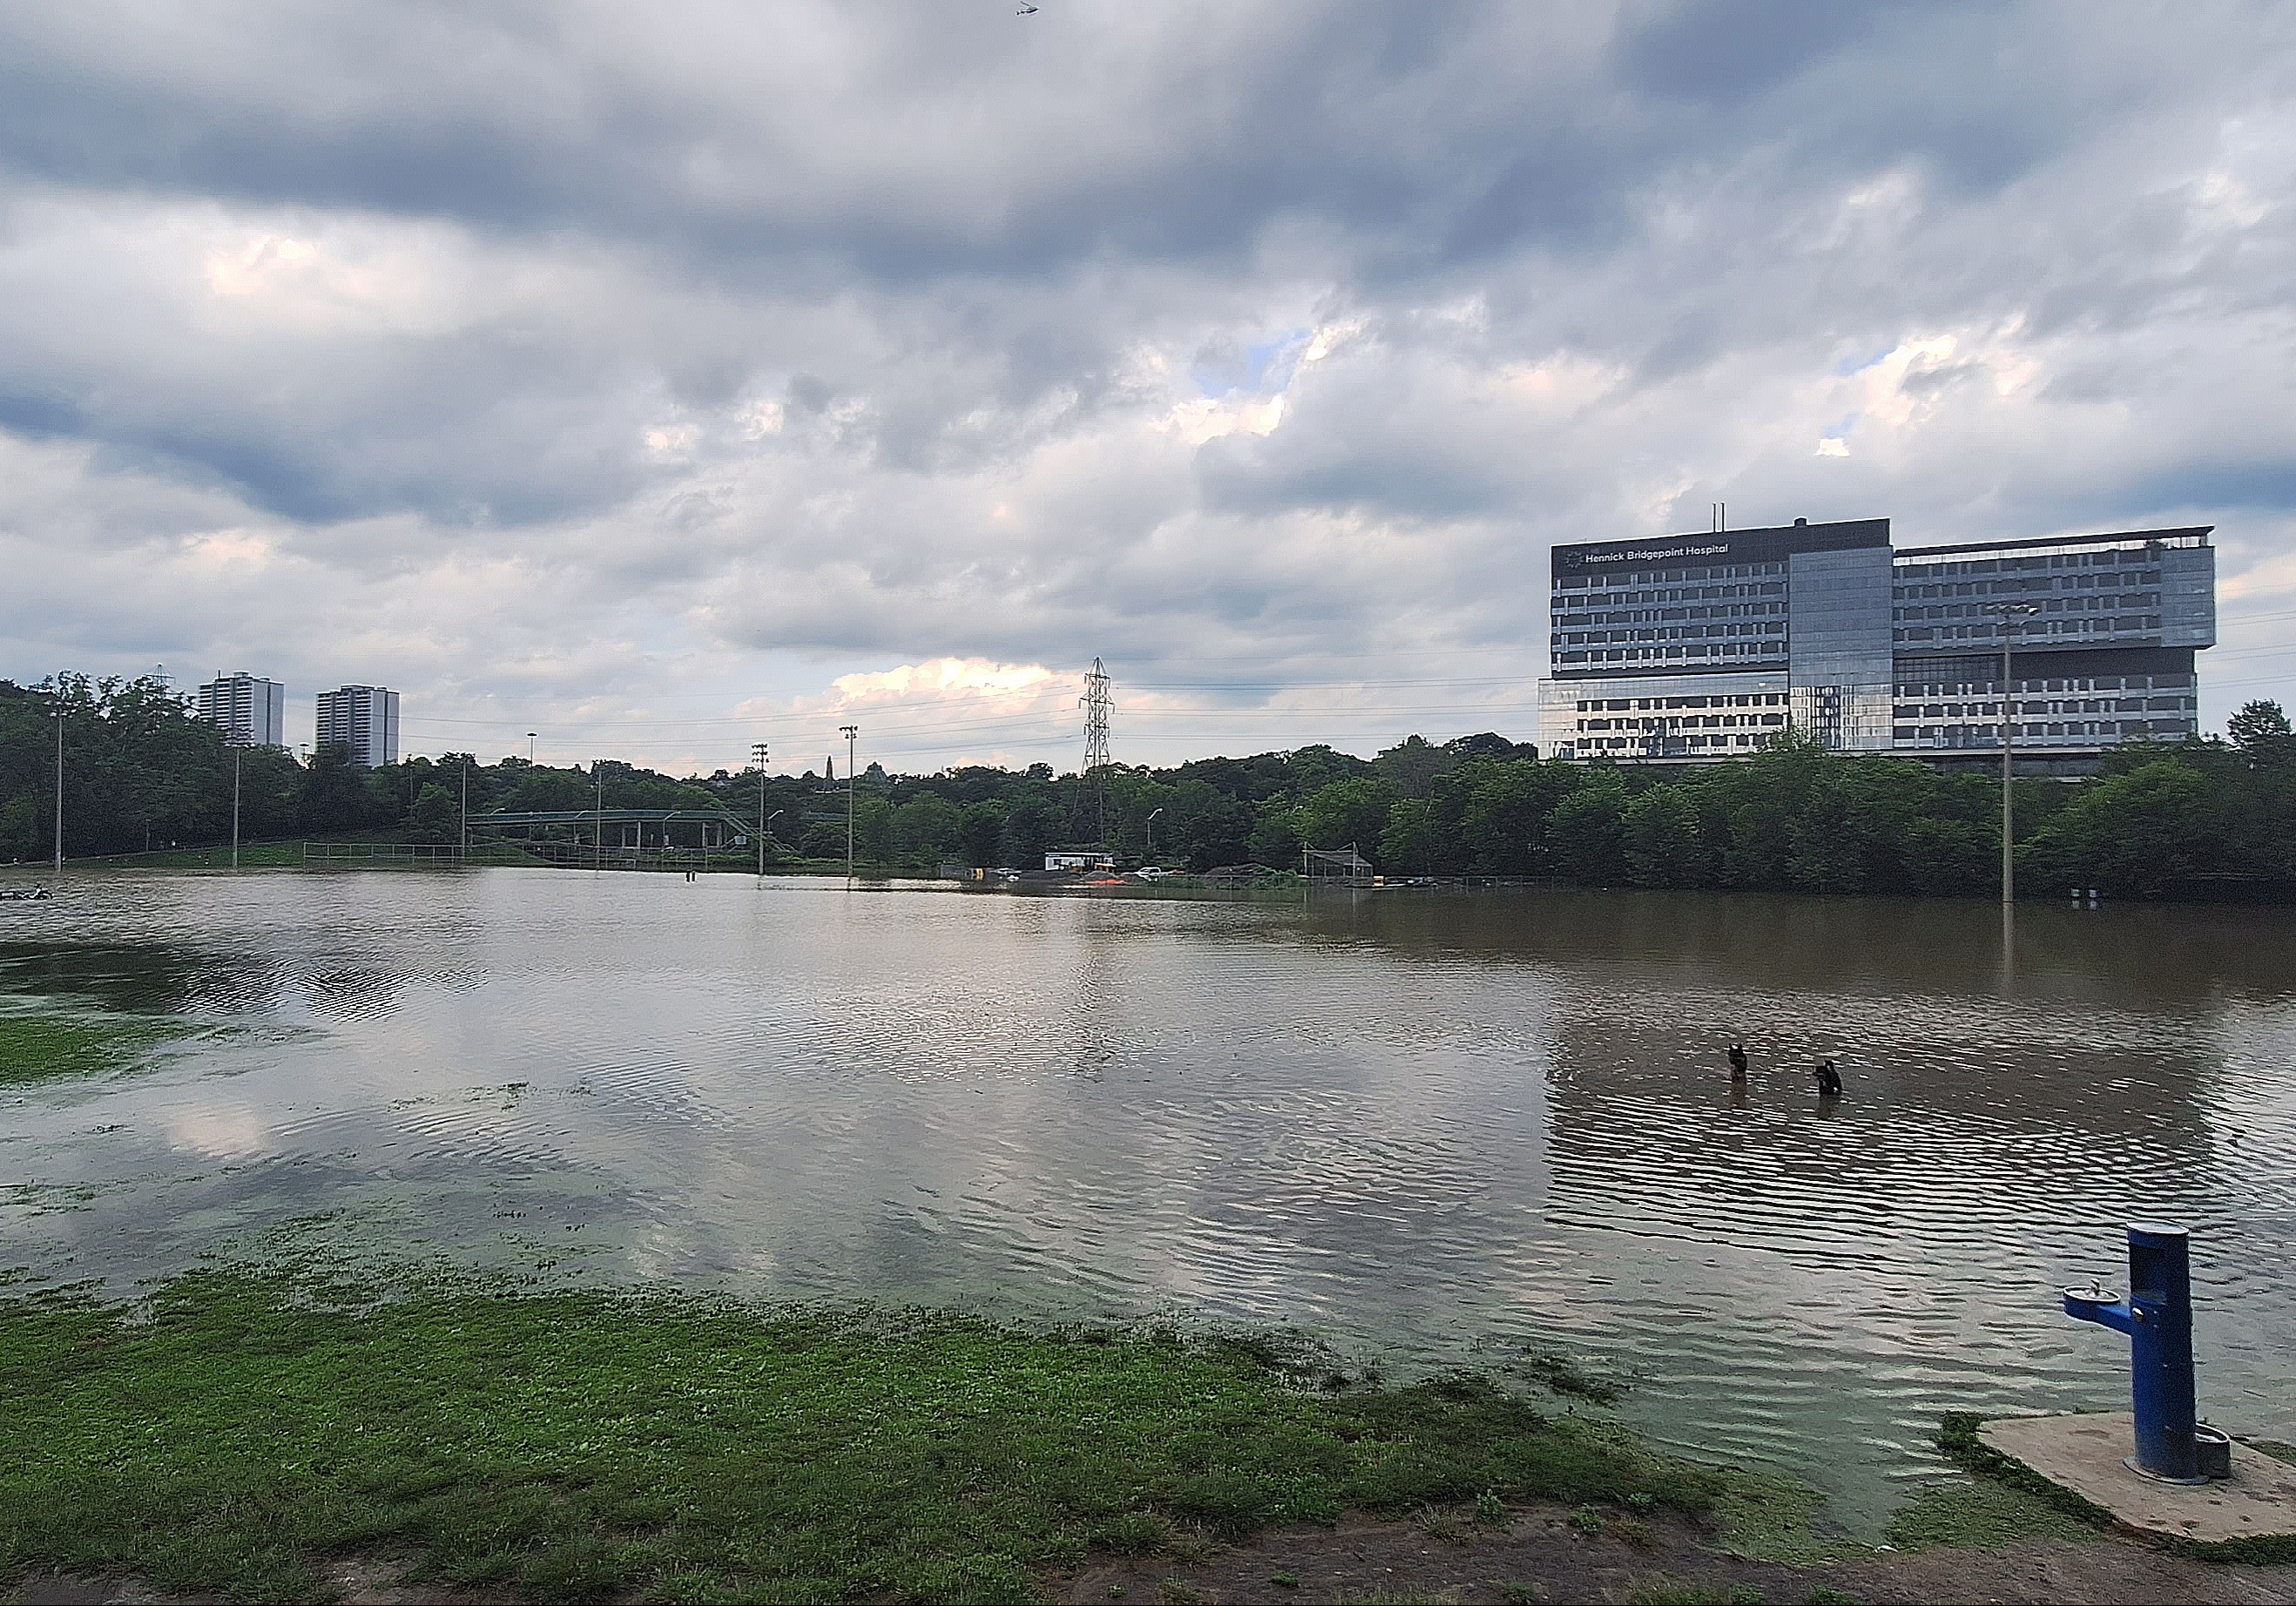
point(2084, 1455)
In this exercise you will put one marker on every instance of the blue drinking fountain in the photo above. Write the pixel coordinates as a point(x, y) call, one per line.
point(2157, 1315)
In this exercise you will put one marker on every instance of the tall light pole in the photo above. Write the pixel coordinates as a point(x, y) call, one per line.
point(237, 753)
point(463, 854)
point(758, 763)
point(851, 732)
point(1151, 854)
point(2011, 615)
point(60, 784)
point(598, 836)
point(530, 750)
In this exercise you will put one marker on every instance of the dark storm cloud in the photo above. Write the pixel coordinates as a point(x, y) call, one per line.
point(520, 119)
point(1216, 331)
point(2236, 487)
point(1729, 52)
point(1401, 140)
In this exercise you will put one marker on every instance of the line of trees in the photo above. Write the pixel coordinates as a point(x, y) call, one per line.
point(2203, 816)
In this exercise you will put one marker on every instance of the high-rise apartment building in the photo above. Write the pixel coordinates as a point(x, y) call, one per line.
point(252, 710)
point(362, 723)
point(1700, 647)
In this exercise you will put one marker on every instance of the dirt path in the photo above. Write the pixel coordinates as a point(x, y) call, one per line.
point(1543, 1557)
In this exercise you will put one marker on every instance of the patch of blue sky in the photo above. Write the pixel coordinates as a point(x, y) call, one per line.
point(1267, 365)
point(1848, 365)
point(1286, 346)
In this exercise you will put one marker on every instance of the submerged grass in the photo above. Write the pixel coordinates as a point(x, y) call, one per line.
point(1959, 1437)
point(1980, 1511)
point(35, 1047)
point(239, 1428)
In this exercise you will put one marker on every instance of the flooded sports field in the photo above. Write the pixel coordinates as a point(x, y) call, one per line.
point(1429, 1127)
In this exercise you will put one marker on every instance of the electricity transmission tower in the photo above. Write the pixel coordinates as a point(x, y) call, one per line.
point(1096, 744)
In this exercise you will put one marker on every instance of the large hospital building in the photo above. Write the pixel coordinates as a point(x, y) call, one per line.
point(1698, 647)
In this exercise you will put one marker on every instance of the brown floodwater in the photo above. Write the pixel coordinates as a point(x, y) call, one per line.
point(1426, 1127)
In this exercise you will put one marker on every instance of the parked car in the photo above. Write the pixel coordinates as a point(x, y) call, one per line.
point(1152, 873)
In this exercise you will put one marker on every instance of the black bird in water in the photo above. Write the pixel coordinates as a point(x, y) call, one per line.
point(1829, 1080)
point(1737, 1062)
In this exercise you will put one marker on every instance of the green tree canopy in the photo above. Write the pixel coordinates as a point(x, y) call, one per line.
point(2193, 818)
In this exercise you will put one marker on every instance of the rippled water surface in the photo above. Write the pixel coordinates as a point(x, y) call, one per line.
point(1418, 1124)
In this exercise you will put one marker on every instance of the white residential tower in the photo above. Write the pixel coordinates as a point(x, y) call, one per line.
point(362, 723)
point(252, 710)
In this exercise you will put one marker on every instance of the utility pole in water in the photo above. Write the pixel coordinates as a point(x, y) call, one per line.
point(60, 784)
point(758, 763)
point(2012, 615)
point(851, 732)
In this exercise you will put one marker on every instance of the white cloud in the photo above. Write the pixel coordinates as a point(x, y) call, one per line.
point(260, 266)
point(942, 677)
point(1208, 418)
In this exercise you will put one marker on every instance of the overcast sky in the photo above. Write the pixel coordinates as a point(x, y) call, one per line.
point(666, 379)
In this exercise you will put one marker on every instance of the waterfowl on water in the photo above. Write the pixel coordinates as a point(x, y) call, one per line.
point(1737, 1062)
point(1829, 1080)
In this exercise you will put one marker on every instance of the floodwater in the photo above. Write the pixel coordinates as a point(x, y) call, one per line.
point(1421, 1126)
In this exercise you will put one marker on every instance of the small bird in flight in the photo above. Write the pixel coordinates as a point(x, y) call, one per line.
point(1026, 10)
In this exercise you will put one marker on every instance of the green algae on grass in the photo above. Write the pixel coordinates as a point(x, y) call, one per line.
point(240, 1428)
point(1962, 1444)
point(34, 1048)
point(1959, 1435)
point(1979, 1511)
point(1769, 1517)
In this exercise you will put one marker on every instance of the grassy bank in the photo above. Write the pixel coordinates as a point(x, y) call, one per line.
point(235, 1432)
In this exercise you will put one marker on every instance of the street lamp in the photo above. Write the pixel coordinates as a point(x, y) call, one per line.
point(463, 854)
point(530, 750)
point(59, 785)
point(2011, 615)
point(758, 763)
point(851, 732)
point(1152, 834)
point(236, 751)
